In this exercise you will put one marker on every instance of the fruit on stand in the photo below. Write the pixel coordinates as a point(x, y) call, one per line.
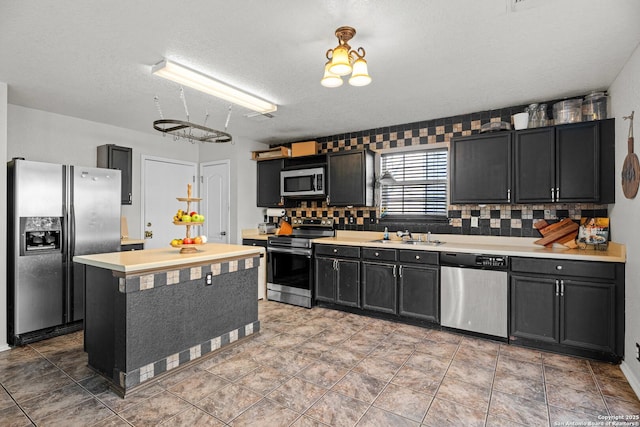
point(188, 218)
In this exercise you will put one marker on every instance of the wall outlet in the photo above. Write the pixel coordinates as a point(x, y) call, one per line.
point(474, 221)
point(638, 352)
point(208, 280)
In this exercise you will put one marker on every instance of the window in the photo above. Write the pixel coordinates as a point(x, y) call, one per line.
point(420, 187)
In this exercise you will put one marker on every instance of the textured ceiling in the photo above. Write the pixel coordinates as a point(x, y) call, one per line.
point(91, 59)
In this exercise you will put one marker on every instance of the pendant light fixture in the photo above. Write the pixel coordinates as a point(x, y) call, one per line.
point(342, 60)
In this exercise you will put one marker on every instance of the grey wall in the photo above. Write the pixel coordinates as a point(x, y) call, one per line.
point(625, 97)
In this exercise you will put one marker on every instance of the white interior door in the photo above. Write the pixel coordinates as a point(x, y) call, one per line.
point(215, 195)
point(163, 181)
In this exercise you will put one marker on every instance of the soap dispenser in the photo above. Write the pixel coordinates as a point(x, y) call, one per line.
point(385, 236)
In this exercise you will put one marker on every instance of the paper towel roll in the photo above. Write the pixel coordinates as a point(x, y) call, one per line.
point(275, 212)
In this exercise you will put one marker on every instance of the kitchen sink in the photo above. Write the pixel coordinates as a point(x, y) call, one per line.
point(423, 243)
point(384, 241)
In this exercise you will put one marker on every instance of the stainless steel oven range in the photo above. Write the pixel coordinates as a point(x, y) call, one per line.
point(290, 261)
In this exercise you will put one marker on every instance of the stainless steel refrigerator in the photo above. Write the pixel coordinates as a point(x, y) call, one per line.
point(55, 212)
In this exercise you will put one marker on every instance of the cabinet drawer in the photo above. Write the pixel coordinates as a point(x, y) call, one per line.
point(338, 251)
point(557, 267)
point(418, 257)
point(379, 254)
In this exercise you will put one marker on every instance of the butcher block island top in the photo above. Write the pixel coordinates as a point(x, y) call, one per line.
point(163, 258)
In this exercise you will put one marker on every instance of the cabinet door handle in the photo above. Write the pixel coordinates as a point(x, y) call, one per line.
point(394, 271)
point(129, 197)
point(400, 271)
point(335, 264)
point(557, 194)
point(558, 267)
point(561, 288)
point(557, 287)
point(553, 197)
point(335, 251)
point(509, 195)
point(417, 256)
point(377, 254)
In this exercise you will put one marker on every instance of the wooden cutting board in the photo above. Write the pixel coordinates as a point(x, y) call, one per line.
point(563, 232)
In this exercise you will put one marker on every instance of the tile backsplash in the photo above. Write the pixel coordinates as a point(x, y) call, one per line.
point(495, 220)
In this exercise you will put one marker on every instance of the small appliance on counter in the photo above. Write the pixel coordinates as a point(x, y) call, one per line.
point(267, 228)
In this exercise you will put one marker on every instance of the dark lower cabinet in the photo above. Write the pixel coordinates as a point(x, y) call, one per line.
point(587, 313)
point(419, 292)
point(379, 289)
point(576, 307)
point(337, 280)
point(534, 309)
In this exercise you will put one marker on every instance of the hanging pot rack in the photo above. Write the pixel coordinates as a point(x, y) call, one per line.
point(191, 131)
point(187, 130)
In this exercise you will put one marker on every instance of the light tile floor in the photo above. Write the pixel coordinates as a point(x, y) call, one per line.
point(322, 367)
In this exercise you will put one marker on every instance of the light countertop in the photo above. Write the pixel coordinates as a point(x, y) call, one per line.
point(494, 245)
point(150, 259)
point(128, 241)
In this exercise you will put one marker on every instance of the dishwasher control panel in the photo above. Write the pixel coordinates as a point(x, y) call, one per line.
point(489, 262)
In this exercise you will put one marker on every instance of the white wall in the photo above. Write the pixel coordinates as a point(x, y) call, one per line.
point(625, 97)
point(3, 217)
point(244, 213)
point(42, 136)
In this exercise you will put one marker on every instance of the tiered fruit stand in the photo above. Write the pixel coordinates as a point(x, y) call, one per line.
point(188, 247)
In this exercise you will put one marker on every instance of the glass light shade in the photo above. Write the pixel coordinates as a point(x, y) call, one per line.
point(360, 76)
point(340, 64)
point(329, 79)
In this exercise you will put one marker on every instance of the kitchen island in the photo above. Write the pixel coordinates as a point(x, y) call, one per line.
point(151, 311)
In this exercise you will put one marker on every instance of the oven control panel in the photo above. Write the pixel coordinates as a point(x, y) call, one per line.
point(316, 222)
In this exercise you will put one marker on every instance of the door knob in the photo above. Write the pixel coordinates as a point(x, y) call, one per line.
point(223, 233)
point(148, 224)
point(148, 234)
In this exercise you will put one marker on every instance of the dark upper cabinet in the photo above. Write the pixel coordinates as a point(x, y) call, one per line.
point(268, 189)
point(351, 179)
point(535, 165)
point(481, 168)
point(566, 163)
point(577, 163)
point(115, 157)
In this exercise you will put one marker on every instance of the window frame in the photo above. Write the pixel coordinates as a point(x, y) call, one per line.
point(378, 189)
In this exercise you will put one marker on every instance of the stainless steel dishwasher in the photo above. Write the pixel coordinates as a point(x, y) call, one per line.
point(474, 292)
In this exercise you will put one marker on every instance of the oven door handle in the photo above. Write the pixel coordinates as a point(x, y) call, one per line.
point(303, 252)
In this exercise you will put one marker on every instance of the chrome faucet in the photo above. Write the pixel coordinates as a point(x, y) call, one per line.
point(403, 234)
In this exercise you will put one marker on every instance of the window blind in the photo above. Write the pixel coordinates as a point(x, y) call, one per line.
point(421, 183)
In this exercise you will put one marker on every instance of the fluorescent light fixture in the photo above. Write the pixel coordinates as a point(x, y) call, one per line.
point(193, 79)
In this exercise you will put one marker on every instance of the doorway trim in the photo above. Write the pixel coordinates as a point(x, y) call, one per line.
point(226, 162)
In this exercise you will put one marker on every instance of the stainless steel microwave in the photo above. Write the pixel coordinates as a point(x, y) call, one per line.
point(303, 182)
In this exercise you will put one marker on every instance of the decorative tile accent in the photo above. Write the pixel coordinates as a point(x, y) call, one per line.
point(173, 361)
point(146, 282)
point(216, 269)
point(196, 273)
point(146, 372)
point(194, 352)
point(175, 277)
